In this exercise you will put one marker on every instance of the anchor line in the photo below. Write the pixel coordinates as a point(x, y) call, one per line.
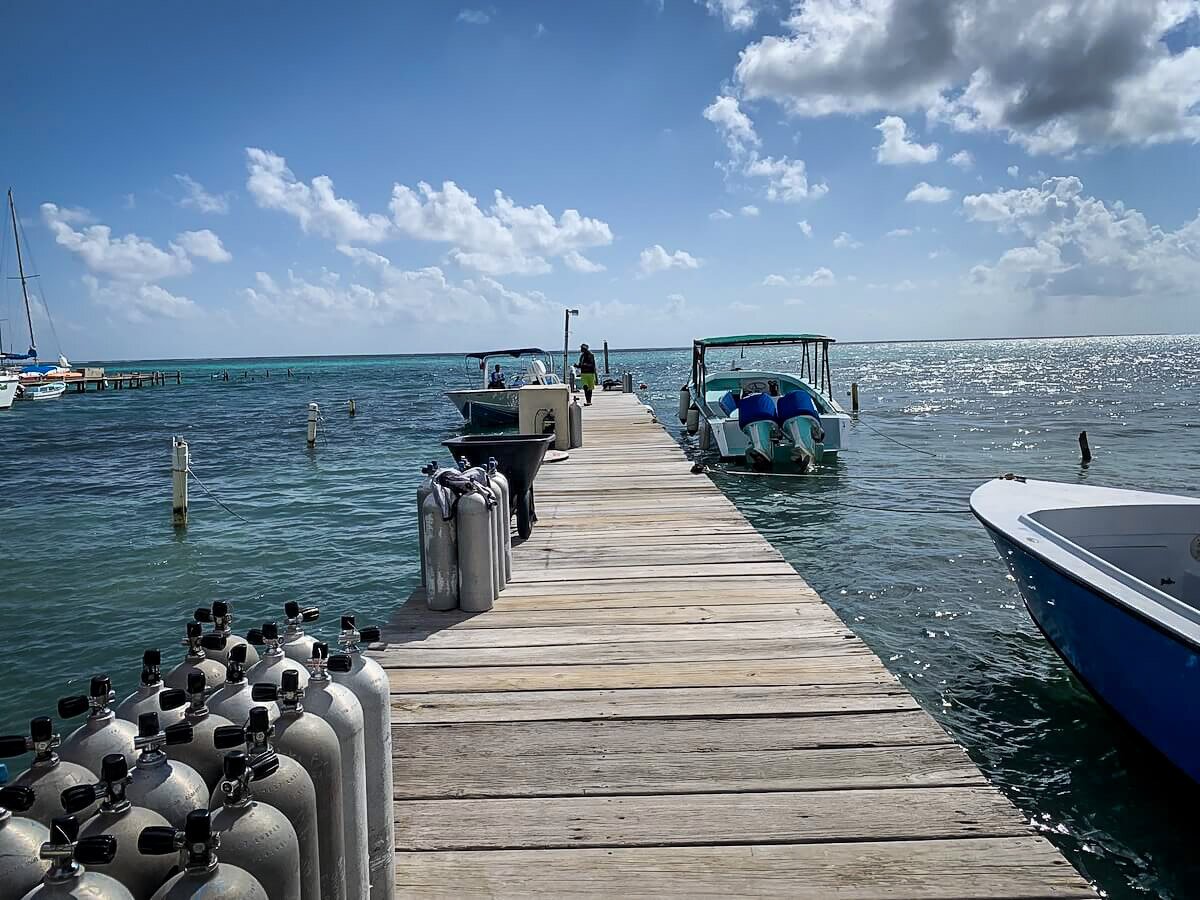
point(215, 498)
point(897, 440)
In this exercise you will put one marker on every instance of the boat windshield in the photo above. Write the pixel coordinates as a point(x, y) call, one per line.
point(814, 358)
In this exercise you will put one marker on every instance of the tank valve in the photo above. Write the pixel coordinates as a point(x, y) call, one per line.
point(42, 741)
point(151, 739)
point(196, 695)
point(16, 798)
point(196, 845)
point(197, 642)
point(66, 852)
point(239, 770)
point(219, 615)
point(151, 668)
point(99, 695)
point(289, 695)
point(256, 734)
point(114, 776)
point(267, 636)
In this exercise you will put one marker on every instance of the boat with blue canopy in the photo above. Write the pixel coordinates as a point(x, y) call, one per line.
point(770, 419)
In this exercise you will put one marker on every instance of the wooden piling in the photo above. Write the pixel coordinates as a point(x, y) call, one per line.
point(854, 397)
point(1085, 449)
point(179, 473)
point(314, 413)
point(352, 409)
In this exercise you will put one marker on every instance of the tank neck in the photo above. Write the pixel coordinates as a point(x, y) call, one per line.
point(152, 758)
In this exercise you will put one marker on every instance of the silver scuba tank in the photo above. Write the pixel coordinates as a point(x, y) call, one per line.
point(203, 877)
point(196, 660)
point(337, 705)
point(47, 775)
point(101, 733)
point(145, 698)
point(477, 588)
point(505, 535)
point(289, 789)
point(311, 741)
point(172, 789)
point(424, 489)
point(69, 855)
point(296, 644)
point(199, 752)
point(272, 661)
point(254, 835)
point(439, 555)
point(369, 683)
point(232, 699)
point(220, 616)
point(21, 839)
point(124, 821)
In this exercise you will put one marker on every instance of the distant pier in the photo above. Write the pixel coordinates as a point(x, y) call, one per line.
point(99, 380)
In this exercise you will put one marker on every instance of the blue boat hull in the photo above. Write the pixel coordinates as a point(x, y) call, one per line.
point(1146, 676)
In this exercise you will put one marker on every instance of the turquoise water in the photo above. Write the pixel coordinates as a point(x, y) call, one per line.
point(92, 571)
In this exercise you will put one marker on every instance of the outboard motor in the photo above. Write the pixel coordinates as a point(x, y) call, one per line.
point(145, 698)
point(197, 660)
point(337, 705)
point(68, 855)
point(311, 741)
point(171, 789)
point(203, 876)
point(124, 821)
point(232, 700)
point(369, 683)
point(220, 615)
point(289, 789)
point(199, 752)
point(47, 775)
point(257, 836)
point(756, 417)
point(21, 839)
point(296, 644)
point(800, 421)
point(272, 662)
point(102, 733)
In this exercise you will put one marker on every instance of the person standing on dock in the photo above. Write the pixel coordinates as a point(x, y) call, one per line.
point(587, 372)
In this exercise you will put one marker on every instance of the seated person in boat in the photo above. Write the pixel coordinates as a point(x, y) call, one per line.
point(496, 379)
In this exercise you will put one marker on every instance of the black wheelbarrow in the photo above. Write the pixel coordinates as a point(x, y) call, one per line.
point(518, 457)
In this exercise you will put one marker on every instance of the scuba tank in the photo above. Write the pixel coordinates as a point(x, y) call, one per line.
point(424, 489)
point(439, 553)
point(232, 699)
point(311, 741)
point(254, 835)
point(505, 535)
point(296, 644)
point(199, 752)
point(338, 706)
point(289, 789)
point(169, 788)
point(220, 616)
point(197, 660)
point(47, 775)
point(474, 519)
point(203, 877)
point(272, 662)
point(21, 839)
point(68, 855)
point(102, 733)
point(124, 821)
point(369, 683)
point(145, 698)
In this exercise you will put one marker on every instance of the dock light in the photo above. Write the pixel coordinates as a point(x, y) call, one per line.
point(567, 313)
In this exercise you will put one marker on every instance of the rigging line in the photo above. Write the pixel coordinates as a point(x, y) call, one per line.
point(217, 499)
point(897, 440)
point(41, 293)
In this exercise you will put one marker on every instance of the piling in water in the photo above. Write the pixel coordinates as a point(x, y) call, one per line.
point(179, 473)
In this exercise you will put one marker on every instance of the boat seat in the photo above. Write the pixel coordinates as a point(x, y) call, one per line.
point(729, 403)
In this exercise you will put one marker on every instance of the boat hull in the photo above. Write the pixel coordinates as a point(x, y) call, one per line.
point(51, 391)
point(1144, 674)
point(8, 390)
point(486, 407)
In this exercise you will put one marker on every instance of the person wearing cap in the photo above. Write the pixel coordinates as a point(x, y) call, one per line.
point(587, 372)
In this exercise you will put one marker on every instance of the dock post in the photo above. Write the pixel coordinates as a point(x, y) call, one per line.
point(854, 397)
point(179, 474)
point(606, 357)
point(1085, 450)
point(352, 409)
point(314, 412)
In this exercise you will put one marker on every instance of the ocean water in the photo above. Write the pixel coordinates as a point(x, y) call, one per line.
point(91, 571)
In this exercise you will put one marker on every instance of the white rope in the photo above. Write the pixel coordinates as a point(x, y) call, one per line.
point(215, 498)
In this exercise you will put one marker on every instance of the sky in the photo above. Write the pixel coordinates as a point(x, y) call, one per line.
point(278, 178)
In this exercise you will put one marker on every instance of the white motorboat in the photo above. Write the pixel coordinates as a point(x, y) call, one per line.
point(495, 404)
point(8, 389)
point(47, 390)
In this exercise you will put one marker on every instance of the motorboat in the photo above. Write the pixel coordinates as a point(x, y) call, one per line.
point(1112, 579)
point(769, 419)
point(8, 389)
point(495, 405)
point(46, 390)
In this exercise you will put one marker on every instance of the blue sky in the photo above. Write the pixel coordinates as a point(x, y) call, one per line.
point(439, 176)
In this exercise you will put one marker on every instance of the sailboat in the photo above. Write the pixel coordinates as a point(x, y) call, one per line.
point(31, 383)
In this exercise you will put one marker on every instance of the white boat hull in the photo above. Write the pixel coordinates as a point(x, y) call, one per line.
point(8, 390)
point(51, 391)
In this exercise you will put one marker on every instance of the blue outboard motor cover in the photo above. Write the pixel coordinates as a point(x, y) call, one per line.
point(756, 408)
point(797, 403)
point(729, 403)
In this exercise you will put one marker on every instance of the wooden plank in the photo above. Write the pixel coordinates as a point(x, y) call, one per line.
point(655, 572)
point(1010, 868)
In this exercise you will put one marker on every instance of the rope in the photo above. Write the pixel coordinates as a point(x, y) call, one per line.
point(843, 503)
point(215, 498)
point(897, 440)
point(854, 478)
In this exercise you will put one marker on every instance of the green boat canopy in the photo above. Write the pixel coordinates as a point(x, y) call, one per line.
point(746, 340)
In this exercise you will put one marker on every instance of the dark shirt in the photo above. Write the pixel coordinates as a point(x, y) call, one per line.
point(587, 363)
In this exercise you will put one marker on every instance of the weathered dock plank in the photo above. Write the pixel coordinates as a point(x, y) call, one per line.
point(660, 706)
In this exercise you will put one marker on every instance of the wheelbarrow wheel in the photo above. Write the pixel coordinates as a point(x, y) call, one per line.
point(525, 514)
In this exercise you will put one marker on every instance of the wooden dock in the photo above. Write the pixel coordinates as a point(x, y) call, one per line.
point(99, 380)
point(659, 705)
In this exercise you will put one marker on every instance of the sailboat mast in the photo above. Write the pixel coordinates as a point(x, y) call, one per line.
point(12, 209)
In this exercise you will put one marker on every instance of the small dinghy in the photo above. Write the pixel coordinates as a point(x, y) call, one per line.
point(1112, 578)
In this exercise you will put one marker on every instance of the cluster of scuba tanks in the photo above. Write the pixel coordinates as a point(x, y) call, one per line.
point(259, 768)
point(463, 517)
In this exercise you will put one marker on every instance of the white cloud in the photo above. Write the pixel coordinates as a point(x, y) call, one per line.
point(720, 215)
point(775, 281)
point(138, 302)
point(539, 31)
point(963, 160)
point(750, 211)
point(742, 307)
point(657, 259)
point(1078, 246)
point(1014, 171)
point(979, 65)
point(805, 228)
point(203, 244)
point(897, 150)
point(196, 197)
point(738, 14)
point(580, 263)
point(787, 179)
point(735, 126)
point(474, 16)
point(928, 193)
point(316, 207)
point(845, 242)
point(130, 202)
point(821, 277)
point(900, 232)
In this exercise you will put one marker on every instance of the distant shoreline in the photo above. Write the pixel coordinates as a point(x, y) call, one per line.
point(310, 357)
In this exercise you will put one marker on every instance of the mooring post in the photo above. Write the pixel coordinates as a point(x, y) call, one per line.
point(1085, 450)
point(314, 413)
point(179, 474)
point(352, 409)
point(606, 357)
point(854, 397)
